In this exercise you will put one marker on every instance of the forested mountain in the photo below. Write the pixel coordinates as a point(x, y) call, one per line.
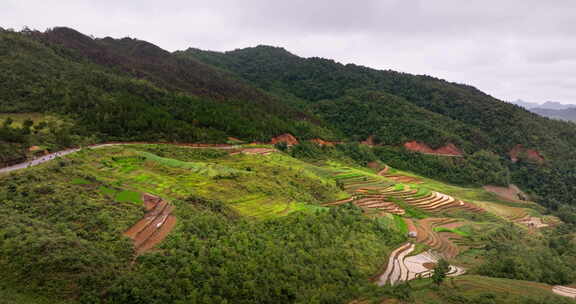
point(397, 107)
point(131, 90)
point(381, 167)
point(485, 122)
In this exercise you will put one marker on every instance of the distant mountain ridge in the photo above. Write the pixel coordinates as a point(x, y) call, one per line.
point(564, 114)
point(551, 109)
point(552, 105)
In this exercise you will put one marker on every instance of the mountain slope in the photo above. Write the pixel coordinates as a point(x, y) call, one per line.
point(491, 124)
point(131, 90)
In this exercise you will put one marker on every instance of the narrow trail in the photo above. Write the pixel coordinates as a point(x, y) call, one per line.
point(154, 226)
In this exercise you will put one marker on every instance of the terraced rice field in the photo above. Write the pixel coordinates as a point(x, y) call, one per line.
point(398, 177)
point(154, 226)
point(365, 193)
point(564, 291)
point(254, 151)
point(402, 267)
point(518, 215)
point(432, 202)
point(446, 243)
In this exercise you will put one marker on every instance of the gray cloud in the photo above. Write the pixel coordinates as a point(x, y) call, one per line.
point(510, 49)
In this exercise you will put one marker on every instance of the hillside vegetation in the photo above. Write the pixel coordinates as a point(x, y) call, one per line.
point(264, 228)
point(190, 202)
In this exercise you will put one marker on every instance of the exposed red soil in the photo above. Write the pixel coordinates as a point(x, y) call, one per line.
point(286, 138)
point(373, 165)
point(234, 139)
point(34, 149)
point(511, 193)
point(154, 226)
point(411, 225)
point(384, 171)
point(322, 142)
point(429, 265)
point(452, 225)
point(449, 149)
point(530, 154)
point(158, 236)
point(150, 202)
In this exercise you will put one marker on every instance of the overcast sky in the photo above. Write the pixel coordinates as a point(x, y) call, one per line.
point(511, 49)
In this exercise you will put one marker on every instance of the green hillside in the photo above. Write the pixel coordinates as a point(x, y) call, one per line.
point(162, 214)
point(491, 124)
point(399, 107)
point(105, 103)
point(251, 228)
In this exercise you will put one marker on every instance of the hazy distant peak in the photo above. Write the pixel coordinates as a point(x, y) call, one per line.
point(552, 105)
point(556, 105)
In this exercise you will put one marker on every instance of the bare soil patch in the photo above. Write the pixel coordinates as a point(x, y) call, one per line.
point(154, 226)
point(287, 138)
point(511, 193)
point(447, 150)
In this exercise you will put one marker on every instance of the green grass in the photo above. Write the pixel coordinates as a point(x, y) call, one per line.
point(256, 187)
point(108, 191)
point(400, 224)
point(128, 196)
point(453, 230)
point(80, 181)
point(481, 289)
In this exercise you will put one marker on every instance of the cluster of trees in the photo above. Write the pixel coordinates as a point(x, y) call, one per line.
point(301, 258)
point(398, 107)
point(66, 240)
point(479, 168)
point(16, 139)
point(513, 254)
point(461, 112)
point(55, 73)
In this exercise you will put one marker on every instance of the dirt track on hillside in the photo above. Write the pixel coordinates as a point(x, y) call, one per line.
point(154, 226)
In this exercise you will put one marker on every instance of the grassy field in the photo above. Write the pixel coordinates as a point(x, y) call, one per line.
point(480, 289)
point(257, 186)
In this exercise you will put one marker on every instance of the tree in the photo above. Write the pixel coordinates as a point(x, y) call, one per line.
point(440, 271)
